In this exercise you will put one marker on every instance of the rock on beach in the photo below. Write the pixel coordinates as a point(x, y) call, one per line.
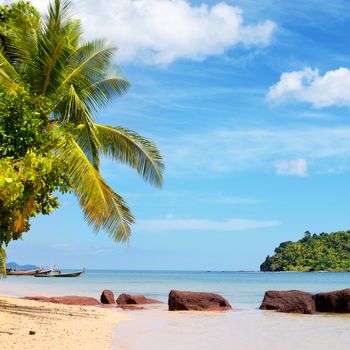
point(335, 301)
point(107, 297)
point(197, 301)
point(289, 301)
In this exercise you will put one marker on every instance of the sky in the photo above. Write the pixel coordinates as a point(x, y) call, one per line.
point(249, 104)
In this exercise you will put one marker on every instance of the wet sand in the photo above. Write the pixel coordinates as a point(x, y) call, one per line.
point(232, 330)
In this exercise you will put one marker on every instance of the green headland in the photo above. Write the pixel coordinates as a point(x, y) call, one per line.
point(314, 252)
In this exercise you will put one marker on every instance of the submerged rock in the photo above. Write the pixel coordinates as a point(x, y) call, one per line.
point(294, 301)
point(68, 300)
point(127, 299)
point(107, 297)
point(198, 301)
point(335, 301)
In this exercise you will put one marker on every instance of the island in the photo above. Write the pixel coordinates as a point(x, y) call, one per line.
point(314, 252)
point(14, 266)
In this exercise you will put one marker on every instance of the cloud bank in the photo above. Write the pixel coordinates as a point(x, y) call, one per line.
point(308, 85)
point(162, 31)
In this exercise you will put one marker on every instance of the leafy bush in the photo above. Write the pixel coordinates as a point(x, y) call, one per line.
point(30, 171)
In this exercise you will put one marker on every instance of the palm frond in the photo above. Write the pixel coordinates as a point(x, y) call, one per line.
point(87, 70)
point(100, 93)
point(49, 61)
point(91, 59)
point(130, 148)
point(9, 78)
point(59, 12)
point(54, 42)
point(102, 207)
point(71, 108)
point(89, 143)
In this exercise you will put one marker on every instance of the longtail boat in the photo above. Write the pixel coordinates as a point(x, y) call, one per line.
point(57, 273)
point(72, 274)
point(43, 272)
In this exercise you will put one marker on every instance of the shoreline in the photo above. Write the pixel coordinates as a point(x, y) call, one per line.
point(71, 327)
point(56, 326)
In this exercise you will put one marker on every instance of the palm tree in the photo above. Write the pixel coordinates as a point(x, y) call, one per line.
point(48, 59)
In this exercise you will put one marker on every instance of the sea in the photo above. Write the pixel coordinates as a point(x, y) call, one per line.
point(244, 328)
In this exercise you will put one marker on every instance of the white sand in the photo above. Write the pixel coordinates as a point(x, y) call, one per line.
point(56, 326)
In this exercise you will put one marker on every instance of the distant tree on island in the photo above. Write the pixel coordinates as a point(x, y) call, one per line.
point(52, 85)
point(314, 252)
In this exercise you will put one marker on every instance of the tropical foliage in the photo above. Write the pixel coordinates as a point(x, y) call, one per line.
point(323, 252)
point(29, 171)
point(52, 85)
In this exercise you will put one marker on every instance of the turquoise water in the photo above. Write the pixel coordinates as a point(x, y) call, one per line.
point(242, 289)
point(245, 328)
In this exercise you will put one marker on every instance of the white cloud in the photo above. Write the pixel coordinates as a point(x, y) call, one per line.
point(161, 31)
point(171, 224)
point(40, 5)
point(233, 150)
point(307, 85)
point(295, 167)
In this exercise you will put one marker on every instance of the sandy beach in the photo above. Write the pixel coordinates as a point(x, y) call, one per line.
point(56, 326)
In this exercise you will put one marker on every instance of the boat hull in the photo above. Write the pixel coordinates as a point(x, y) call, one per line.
point(23, 273)
point(73, 274)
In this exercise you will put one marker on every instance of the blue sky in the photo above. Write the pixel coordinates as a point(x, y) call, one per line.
point(249, 103)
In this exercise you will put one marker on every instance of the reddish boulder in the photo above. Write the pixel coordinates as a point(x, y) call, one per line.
point(68, 300)
point(289, 301)
point(336, 301)
point(107, 297)
point(125, 299)
point(198, 301)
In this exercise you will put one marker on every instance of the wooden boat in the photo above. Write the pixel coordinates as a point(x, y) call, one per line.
point(51, 273)
point(72, 274)
point(57, 273)
point(43, 272)
point(23, 272)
